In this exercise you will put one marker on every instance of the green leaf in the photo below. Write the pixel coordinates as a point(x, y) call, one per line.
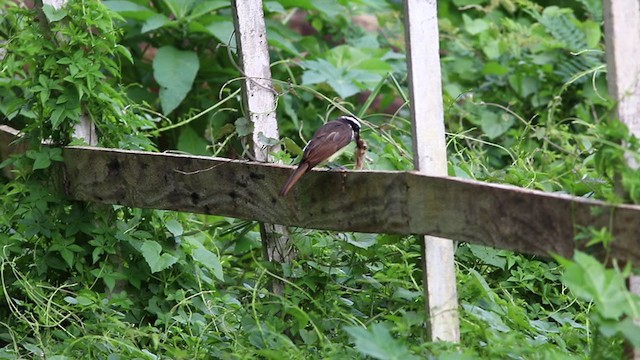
point(210, 260)
point(57, 116)
point(180, 8)
point(42, 161)
point(222, 30)
point(378, 343)
point(175, 71)
point(54, 14)
point(274, 6)
point(474, 26)
point(34, 349)
point(347, 70)
point(489, 256)
point(630, 330)
point(130, 9)
point(492, 319)
point(154, 22)
point(206, 7)
point(151, 252)
point(191, 142)
point(494, 68)
point(589, 280)
point(244, 127)
point(292, 146)
point(174, 227)
point(494, 125)
point(363, 241)
point(524, 85)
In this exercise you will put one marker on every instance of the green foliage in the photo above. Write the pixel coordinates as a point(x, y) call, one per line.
point(378, 343)
point(526, 104)
point(54, 73)
point(174, 85)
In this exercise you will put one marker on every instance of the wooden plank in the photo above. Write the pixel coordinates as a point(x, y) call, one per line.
point(622, 40)
point(260, 104)
point(430, 157)
point(501, 216)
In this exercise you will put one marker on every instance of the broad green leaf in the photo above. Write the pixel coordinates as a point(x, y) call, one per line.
point(474, 26)
point(174, 227)
point(593, 33)
point(292, 146)
point(494, 125)
point(589, 280)
point(33, 349)
point(489, 256)
point(494, 68)
point(206, 7)
point(222, 30)
point(492, 319)
point(362, 241)
point(210, 260)
point(180, 8)
point(191, 142)
point(42, 161)
point(151, 252)
point(154, 22)
point(244, 127)
point(53, 14)
point(57, 116)
point(524, 85)
point(347, 70)
point(70, 300)
point(330, 8)
point(129, 9)
point(175, 71)
point(378, 343)
point(274, 6)
point(84, 301)
point(630, 330)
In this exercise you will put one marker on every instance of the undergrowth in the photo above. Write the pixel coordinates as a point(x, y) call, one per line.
point(525, 104)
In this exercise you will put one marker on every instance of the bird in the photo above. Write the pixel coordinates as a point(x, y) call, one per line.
point(326, 142)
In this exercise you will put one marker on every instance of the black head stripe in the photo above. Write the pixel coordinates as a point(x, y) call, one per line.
point(352, 121)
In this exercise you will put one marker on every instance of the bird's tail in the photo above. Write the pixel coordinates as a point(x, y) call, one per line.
point(293, 178)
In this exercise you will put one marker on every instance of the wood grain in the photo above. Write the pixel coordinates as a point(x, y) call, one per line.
point(501, 216)
point(259, 100)
point(430, 158)
point(622, 40)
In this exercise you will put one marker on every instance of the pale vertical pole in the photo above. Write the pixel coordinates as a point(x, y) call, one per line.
point(622, 39)
point(430, 157)
point(260, 105)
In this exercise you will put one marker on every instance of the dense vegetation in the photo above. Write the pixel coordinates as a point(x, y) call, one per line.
point(526, 103)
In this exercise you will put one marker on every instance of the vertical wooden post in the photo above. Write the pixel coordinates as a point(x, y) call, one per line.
point(430, 157)
point(260, 104)
point(622, 40)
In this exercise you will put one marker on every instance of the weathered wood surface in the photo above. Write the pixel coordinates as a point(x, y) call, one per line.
point(501, 216)
point(430, 158)
point(260, 104)
point(622, 39)
point(259, 96)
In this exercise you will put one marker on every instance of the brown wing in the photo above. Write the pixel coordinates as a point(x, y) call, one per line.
point(330, 138)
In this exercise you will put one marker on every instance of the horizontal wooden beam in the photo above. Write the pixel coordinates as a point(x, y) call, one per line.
point(500, 216)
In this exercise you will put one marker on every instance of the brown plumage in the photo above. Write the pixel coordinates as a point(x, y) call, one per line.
point(328, 140)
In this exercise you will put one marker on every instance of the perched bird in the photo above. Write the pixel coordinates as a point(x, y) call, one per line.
point(326, 142)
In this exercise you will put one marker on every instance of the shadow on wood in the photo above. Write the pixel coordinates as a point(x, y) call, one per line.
point(501, 216)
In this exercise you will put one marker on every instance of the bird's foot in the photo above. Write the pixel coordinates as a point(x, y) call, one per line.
point(336, 167)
